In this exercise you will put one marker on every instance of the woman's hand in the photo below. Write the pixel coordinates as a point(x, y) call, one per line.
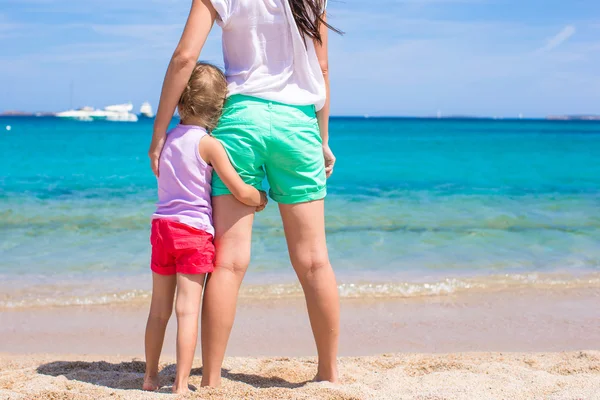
point(158, 142)
point(329, 160)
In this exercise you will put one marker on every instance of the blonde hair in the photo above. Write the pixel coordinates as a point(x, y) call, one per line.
point(204, 96)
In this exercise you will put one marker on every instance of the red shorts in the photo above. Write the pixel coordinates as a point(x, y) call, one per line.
point(180, 249)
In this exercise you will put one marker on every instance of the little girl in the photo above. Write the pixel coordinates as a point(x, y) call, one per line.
point(182, 231)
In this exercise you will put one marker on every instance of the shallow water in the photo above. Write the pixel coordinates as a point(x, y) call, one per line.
point(416, 207)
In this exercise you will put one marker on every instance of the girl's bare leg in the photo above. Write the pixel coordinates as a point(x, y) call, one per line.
point(161, 308)
point(187, 309)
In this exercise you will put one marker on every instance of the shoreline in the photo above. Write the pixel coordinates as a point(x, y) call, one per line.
point(134, 290)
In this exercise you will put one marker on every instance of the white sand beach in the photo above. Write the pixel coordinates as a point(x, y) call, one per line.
point(526, 376)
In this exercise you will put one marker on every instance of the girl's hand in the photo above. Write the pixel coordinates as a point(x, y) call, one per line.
point(158, 142)
point(329, 160)
point(263, 201)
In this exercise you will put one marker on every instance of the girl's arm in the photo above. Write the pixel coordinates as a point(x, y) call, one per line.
point(200, 21)
point(213, 153)
point(323, 114)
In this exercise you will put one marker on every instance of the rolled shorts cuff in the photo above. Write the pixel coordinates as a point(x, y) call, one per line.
point(166, 271)
point(196, 269)
point(186, 270)
point(299, 197)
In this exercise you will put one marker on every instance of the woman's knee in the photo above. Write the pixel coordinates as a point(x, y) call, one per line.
point(236, 266)
point(161, 312)
point(309, 266)
point(233, 226)
point(233, 254)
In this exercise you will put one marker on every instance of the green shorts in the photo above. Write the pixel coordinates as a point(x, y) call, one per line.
point(273, 140)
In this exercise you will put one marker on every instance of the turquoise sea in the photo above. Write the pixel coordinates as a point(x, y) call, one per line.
point(416, 207)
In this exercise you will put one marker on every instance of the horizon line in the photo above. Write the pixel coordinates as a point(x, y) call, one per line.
point(566, 117)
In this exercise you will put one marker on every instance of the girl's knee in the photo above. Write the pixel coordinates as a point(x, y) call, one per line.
point(185, 309)
point(185, 313)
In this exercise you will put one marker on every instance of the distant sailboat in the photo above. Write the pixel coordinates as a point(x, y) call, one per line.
point(146, 111)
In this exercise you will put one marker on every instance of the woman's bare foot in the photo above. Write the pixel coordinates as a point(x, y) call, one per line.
point(330, 380)
point(211, 383)
point(183, 389)
point(151, 384)
point(333, 380)
point(327, 376)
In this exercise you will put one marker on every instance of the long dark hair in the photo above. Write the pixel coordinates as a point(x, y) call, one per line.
point(308, 17)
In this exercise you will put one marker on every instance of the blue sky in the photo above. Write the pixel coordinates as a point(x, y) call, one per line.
point(403, 57)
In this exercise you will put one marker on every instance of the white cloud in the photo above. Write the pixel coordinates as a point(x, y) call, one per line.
point(565, 34)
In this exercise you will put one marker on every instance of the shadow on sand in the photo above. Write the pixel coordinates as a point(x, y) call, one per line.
point(130, 375)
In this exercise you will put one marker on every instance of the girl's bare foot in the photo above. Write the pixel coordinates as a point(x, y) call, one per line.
point(151, 384)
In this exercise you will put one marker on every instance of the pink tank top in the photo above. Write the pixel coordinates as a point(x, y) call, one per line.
point(184, 180)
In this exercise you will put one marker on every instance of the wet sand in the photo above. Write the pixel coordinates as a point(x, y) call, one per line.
point(544, 320)
point(521, 345)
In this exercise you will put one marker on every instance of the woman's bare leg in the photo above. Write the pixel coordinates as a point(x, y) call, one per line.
point(187, 310)
point(233, 237)
point(304, 226)
point(161, 308)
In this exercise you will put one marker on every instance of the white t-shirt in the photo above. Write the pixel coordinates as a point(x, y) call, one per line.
point(265, 54)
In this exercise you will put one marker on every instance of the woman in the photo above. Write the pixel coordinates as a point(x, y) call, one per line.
point(274, 125)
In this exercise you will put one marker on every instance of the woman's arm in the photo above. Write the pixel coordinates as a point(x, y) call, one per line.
point(200, 21)
point(323, 114)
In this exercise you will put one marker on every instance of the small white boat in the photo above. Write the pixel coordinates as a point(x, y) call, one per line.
point(116, 113)
point(81, 114)
point(146, 111)
point(122, 118)
point(120, 113)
